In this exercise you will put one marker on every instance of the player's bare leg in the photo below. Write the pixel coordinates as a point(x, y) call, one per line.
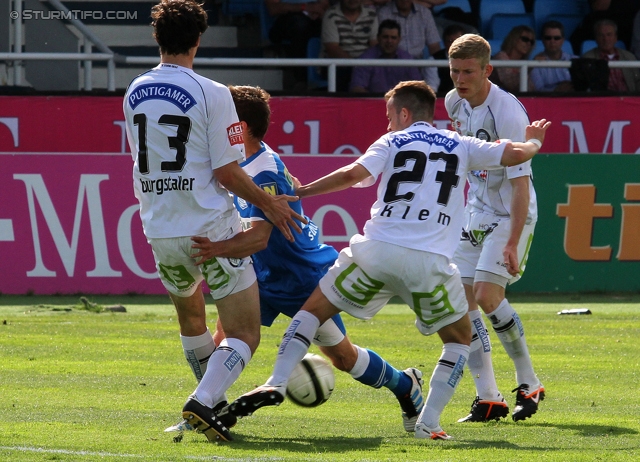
point(368, 368)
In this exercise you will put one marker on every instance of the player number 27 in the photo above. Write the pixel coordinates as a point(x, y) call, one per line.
point(447, 178)
point(177, 142)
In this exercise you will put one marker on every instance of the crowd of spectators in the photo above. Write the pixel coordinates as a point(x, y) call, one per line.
point(350, 29)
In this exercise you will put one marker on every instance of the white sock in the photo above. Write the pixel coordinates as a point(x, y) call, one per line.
point(362, 362)
point(445, 379)
point(225, 365)
point(480, 364)
point(507, 325)
point(295, 344)
point(197, 351)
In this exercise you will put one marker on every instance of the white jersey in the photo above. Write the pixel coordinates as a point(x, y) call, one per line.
point(501, 116)
point(180, 126)
point(420, 200)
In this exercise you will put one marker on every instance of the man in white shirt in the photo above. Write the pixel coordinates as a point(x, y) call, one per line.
point(420, 37)
point(186, 141)
point(501, 214)
point(406, 247)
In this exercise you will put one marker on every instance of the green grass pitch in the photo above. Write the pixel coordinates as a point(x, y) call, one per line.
point(80, 384)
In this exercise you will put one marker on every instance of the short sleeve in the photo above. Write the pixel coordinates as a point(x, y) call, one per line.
point(374, 160)
point(224, 133)
point(330, 32)
point(484, 155)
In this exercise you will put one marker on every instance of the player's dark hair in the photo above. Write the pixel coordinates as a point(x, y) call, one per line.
point(177, 25)
point(252, 106)
point(471, 46)
point(389, 24)
point(416, 96)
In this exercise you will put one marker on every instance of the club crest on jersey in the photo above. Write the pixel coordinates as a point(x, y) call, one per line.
point(174, 94)
point(483, 135)
point(271, 188)
point(234, 132)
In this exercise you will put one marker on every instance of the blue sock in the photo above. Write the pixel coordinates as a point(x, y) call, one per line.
point(370, 369)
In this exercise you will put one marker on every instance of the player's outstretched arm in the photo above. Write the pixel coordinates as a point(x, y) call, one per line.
point(337, 180)
point(276, 208)
point(516, 153)
point(241, 245)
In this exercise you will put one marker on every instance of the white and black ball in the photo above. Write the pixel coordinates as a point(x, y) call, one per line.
point(311, 382)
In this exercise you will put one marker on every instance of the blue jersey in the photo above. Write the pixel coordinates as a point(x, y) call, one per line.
point(287, 271)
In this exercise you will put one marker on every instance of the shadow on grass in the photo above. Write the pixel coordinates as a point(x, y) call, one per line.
point(591, 429)
point(322, 445)
point(584, 431)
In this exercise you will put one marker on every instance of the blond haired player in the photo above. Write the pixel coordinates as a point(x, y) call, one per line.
point(500, 218)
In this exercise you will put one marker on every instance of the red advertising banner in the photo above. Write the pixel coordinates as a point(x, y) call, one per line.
point(306, 125)
point(69, 220)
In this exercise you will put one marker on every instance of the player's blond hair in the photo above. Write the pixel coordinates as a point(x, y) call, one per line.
point(415, 96)
point(470, 46)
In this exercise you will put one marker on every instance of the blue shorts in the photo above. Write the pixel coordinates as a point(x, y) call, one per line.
point(272, 305)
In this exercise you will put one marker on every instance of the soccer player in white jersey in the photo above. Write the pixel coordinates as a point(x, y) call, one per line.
point(186, 142)
point(288, 272)
point(500, 218)
point(407, 244)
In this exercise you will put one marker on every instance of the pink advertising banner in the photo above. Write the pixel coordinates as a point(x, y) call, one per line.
point(69, 221)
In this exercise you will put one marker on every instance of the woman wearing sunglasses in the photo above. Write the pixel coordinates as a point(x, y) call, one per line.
point(517, 45)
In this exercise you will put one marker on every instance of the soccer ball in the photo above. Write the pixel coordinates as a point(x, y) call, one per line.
point(311, 382)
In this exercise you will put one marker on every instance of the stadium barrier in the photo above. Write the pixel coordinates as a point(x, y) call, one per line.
point(69, 221)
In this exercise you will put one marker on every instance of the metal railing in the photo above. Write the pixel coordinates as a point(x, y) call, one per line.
point(87, 57)
point(330, 64)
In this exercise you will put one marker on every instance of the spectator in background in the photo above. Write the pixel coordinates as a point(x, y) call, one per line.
point(382, 79)
point(295, 23)
point(418, 31)
point(552, 78)
point(606, 33)
point(451, 33)
point(620, 11)
point(431, 3)
point(635, 37)
point(348, 29)
point(517, 45)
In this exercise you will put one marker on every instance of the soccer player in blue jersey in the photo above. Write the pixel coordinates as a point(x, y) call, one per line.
point(288, 272)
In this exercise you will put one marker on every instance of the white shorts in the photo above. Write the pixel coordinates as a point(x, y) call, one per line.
point(368, 273)
point(182, 277)
point(482, 243)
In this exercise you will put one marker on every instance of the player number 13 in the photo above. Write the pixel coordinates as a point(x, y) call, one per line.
point(177, 142)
